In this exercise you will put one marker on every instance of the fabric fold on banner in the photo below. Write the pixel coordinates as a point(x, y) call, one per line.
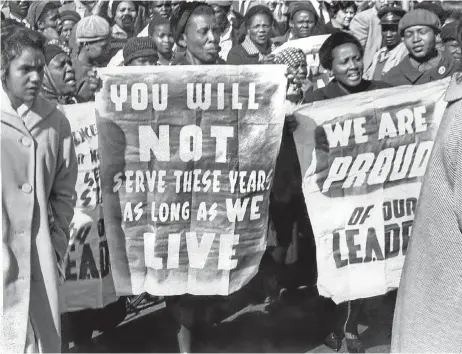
point(187, 158)
point(363, 157)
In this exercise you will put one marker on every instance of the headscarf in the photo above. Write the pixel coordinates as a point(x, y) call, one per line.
point(290, 56)
point(36, 9)
point(49, 89)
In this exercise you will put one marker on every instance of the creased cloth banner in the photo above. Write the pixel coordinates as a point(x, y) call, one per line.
point(88, 278)
point(362, 158)
point(187, 160)
point(310, 46)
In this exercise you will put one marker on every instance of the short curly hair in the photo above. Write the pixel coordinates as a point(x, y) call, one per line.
point(13, 46)
point(335, 40)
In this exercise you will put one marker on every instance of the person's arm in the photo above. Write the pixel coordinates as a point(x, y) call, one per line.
point(63, 196)
point(359, 27)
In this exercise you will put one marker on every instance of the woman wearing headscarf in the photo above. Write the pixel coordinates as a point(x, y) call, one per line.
point(257, 45)
point(59, 77)
point(342, 55)
point(43, 16)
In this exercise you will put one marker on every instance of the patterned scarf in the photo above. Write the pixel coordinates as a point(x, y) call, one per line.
point(252, 49)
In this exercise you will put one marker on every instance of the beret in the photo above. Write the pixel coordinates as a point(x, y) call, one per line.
point(333, 41)
point(50, 51)
point(137, 47)
point(36, 9)
point(70, 15)
point(434, 7)
point(181, 16)
point(449, 31)
point(91, 29)
point(295, 7)
point(290, 56)
point(258, 9)
point(390, 15)
point(419, 17)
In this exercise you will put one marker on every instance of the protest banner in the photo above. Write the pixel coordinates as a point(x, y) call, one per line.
point(88, 278)
point(310, 46)
point(362, 158)
point(187, 160)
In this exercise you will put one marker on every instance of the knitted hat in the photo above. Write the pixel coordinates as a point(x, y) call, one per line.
point(68, 15)
point(91, 29)
point(333, 41)
point(137, 47)
point(50, 51)
point(36, 9)
point(449, 31)
point(181, 16)
point(258, 9)
point(419, 17)
point(290, 56)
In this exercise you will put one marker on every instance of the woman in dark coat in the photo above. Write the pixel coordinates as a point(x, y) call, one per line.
point(342, 54)
point(257, 45)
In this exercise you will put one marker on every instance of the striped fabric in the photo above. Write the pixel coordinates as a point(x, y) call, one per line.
point(251, 49)
point(428, 314)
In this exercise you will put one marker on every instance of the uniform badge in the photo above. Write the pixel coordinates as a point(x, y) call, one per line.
point(441, 70)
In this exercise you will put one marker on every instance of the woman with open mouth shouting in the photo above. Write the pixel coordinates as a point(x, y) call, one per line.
point(124, 15)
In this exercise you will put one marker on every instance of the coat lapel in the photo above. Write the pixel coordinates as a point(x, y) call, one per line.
point(39, 111)
point(9, 116)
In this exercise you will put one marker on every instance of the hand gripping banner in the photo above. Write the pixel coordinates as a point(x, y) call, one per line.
point(362, 158)
point(187, 158)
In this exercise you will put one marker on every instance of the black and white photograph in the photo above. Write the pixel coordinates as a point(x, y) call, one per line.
point(243, 176)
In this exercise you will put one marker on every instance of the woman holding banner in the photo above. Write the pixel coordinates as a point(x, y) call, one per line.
point(342, 55)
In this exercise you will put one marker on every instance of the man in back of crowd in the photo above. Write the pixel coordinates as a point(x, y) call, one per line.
point(303, 22)
point(69, 20)
point(19, 10)
point(394, 50)
point(160, 7)
point(424, 63)
point(160, 33)
point(366, 27)
point(450, 42)
point(229, 34)
point(92, 36)
point(44, 17)
point(140, 51)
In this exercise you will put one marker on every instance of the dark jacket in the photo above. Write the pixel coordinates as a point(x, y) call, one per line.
point(239, 56)
point(180, 59)
point(333, 90)
point(405, 74)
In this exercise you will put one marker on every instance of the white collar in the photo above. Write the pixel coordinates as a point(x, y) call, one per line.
point(22, 110)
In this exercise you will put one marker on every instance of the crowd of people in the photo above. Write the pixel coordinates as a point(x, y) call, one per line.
point(50, 53)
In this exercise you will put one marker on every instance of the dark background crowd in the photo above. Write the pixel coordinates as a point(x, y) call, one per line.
point(371, 45)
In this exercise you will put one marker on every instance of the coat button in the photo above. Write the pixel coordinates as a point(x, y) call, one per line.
point(26, 188)
point(26, 141)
